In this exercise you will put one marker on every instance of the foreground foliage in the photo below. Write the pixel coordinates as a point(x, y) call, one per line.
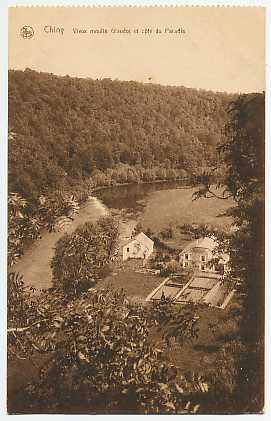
point(243, 153)
point(99, 354)
point(100, 357)
point(27, 219)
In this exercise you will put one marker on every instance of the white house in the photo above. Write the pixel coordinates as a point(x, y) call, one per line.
point(200, 253)
point(139, 247)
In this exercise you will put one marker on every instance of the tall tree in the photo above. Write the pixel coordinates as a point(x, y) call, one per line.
point(81, 257)
point(243, 153)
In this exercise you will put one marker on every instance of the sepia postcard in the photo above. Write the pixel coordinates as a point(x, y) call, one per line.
point(136, 210)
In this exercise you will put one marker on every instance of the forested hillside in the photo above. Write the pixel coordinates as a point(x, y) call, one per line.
point(103, 352)
point(66, 129)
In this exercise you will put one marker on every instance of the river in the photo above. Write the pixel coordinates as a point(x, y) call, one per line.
point(160, 203)
point(35, 263)
point(132, 197)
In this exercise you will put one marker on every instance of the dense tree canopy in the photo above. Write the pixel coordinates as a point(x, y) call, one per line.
point(64, 130)
point(68, 128)
point(243, 155)
point(81, 258)
point(68, 135)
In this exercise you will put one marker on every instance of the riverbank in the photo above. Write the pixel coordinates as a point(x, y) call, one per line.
point(52, 211)
point(165, 207)
point(35, 264)
point(168, 206)
point(182, 180)
point(155, 205)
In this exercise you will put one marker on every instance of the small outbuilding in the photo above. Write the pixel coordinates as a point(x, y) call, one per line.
point(139, 247)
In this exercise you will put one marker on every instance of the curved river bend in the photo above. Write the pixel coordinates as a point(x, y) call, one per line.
point(35, 264)
point(136, 200)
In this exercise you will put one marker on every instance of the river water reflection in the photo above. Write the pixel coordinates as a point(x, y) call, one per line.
point(35, 265)
point(131, 196)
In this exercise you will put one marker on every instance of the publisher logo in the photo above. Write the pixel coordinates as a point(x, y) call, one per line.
point(27, 32)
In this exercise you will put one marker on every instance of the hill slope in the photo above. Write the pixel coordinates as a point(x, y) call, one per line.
point(67, 128)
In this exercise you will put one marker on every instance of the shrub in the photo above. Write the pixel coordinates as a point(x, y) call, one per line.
point(173, 266)
point(167, 233)
point(81, 258)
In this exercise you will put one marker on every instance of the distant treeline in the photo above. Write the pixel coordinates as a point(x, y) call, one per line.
point(64, 130)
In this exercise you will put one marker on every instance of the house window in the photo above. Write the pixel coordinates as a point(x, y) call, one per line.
point(202, 267)
point(203, 258)
point(185, 264)
point(128, 249)
point(186, 256)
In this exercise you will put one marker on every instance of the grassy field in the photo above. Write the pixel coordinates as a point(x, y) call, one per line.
point(200, 355)
point(176, 207)
point(135, 285)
